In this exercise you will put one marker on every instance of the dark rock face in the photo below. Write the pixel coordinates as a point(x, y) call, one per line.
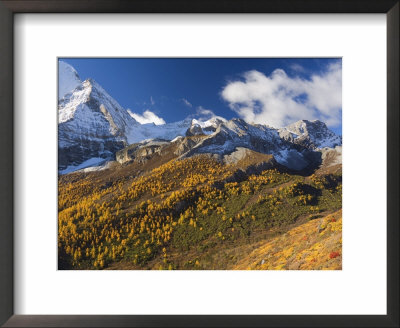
point(75, 154)
point(78, 143)
point(77, 147)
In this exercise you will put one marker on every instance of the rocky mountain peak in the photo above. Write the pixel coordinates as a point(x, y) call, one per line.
point(313, 134)
point(93, 125)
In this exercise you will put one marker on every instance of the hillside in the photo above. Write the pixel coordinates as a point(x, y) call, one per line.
point(316, 244)
point(138, 192)
point(195, 213)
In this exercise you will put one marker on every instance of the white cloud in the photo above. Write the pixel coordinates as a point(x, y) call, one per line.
point(186, 102)
point(147, 117)
point(279, 100)
point(152, 102)
point(204, 114)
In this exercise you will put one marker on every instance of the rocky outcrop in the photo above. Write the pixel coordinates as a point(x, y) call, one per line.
point(194, 130)
point(141, 152)
point(183, 145)
point(311, 134)
point(236, 133)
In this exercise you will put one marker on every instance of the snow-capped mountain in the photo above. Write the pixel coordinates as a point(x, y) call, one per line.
point(228, 143)
point(92, 124)
point(93, 127)
point(209, 126)
point(314, 134)
point(236, 133)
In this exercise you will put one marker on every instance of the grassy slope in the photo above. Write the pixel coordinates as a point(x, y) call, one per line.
point(316, 244)
point(189, 214)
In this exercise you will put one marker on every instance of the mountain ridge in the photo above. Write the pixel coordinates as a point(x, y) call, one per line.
point(92, 124)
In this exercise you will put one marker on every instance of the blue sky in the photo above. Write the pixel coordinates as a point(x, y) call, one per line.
point(260, 90)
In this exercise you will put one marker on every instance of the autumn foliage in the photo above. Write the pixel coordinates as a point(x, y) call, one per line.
point(188, 206)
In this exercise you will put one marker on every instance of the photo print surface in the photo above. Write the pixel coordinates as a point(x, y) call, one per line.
point(199, 164)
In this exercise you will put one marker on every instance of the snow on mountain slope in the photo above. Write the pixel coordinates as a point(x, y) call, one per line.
point(167, 131)
point(313, 134)
point(68, 79)
point(92, 124)
point(88, 163)
point(236, 133)
point(96, 113)
point(170, 131)
point(210, 125)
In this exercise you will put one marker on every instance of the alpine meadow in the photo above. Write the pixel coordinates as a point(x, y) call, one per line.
point(199, 164)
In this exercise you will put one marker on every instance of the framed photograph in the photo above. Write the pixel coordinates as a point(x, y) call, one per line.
point(189, 164)
point(171, 184)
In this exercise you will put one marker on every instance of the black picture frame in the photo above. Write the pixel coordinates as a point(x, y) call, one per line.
point(10, 7)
